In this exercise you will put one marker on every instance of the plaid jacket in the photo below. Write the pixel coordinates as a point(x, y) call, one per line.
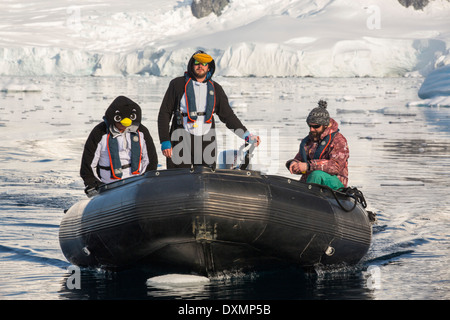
point(334, 159)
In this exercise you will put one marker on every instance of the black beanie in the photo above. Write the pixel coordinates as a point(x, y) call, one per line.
point(319, 115)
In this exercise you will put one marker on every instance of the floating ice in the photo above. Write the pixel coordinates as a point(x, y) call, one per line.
point(17, 85)
point(435, 90)
point(362, 120)
point(176, 280)
point(346, 98)
point(392, 111)
point(436, 84)
point(399, 183)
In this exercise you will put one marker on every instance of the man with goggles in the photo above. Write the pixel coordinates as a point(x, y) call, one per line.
point(186, 124)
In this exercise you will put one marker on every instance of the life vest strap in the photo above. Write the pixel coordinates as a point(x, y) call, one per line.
point(114, 159)
point(196, 113)
point(126, 166)
point(191, 107)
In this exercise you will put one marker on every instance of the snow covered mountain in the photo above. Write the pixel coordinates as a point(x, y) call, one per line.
point(321, 38)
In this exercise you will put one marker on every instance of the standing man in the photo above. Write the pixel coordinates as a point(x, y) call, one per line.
point(118, 147)
point(191, 102)
point(323, 154)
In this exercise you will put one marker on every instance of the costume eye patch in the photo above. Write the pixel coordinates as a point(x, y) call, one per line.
point(117, 117)
point(133, 115)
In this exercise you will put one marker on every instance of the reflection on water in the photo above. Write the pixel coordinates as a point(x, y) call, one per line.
point(290, 284)
point(399, 159)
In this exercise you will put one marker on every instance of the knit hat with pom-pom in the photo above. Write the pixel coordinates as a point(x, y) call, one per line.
point(319, 115)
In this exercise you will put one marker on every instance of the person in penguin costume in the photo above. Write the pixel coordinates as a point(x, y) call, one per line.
point(119, 147)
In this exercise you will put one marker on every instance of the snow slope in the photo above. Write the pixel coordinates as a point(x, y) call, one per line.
point(321, 38)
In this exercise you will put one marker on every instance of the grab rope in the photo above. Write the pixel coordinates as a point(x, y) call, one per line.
point(348, 192)
point(357, 196)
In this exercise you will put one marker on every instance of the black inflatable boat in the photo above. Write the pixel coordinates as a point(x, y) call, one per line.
point(207, 221)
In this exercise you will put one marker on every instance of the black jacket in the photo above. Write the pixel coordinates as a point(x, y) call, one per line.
point(172, 99)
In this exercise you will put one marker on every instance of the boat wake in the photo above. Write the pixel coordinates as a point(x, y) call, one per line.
point(29, 255)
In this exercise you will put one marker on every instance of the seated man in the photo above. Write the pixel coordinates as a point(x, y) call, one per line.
point(118, 147)
point(323, 154)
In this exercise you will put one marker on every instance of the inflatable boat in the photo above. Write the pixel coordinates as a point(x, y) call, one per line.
point(204, 221)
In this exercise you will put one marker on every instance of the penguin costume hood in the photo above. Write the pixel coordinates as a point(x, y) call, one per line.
point(202, 57)
point(124, 111)
point(118, 147)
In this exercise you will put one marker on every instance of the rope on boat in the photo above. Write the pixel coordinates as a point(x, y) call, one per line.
point(357, 195)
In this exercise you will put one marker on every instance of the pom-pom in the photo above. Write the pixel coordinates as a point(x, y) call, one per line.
point(323, 104)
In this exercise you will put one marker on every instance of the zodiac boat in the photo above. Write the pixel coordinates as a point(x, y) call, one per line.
point(204, 221)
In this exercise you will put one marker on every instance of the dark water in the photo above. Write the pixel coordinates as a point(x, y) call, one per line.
point(400, 159)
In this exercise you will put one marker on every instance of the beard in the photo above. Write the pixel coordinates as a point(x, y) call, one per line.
point(315, 136)
point(200, 73)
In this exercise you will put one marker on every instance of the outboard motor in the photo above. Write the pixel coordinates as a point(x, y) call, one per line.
point(236, 159)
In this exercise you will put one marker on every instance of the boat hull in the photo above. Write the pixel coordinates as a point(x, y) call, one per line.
point(205, 222)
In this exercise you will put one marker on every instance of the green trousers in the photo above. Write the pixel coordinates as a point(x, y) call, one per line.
point(326, 179)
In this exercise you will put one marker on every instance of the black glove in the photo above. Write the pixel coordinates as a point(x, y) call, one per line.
point(92, 188)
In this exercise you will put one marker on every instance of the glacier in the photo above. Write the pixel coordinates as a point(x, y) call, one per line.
point(261, 38)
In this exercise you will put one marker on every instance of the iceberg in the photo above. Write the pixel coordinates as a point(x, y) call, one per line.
point(435, 90)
